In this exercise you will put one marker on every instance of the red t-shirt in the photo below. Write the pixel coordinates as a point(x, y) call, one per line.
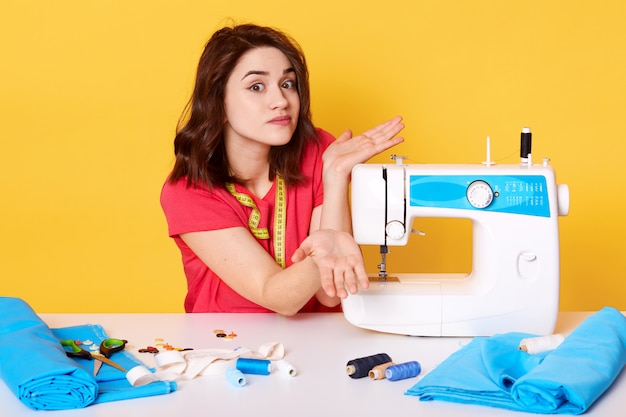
point(191, 209)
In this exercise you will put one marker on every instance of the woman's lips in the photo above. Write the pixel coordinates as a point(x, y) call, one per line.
point(281, 120)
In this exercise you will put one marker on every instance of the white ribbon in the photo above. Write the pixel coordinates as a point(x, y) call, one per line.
point(140, 375)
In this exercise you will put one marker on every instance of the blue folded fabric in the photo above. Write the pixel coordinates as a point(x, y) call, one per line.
point(112, 383)
point(567, 380)
point(35, 367)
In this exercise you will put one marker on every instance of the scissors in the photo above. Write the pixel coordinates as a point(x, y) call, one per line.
point(107, 348)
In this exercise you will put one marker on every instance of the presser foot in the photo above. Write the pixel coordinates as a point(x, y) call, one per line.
point(383, 279)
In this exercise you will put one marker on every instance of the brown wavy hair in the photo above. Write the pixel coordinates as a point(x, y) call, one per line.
point(199, 143)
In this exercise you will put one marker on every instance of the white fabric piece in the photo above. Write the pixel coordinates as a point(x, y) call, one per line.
point(176, 365)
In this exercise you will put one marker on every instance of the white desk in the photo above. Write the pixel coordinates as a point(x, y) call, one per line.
point(318, 345)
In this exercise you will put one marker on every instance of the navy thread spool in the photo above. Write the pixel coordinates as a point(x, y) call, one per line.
point(360, 367)
point(526, 141)
point(254, 366)
point(236, 377)
point(403, 371)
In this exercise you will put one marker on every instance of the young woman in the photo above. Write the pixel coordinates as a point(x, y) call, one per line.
point(257, 201)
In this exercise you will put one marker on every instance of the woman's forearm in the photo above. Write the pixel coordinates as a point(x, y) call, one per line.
point(336, 209)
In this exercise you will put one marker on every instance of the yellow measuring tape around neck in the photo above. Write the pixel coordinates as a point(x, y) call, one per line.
point(255, 218)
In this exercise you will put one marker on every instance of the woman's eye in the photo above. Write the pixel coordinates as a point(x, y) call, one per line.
point(257, 87)
point(290, 84)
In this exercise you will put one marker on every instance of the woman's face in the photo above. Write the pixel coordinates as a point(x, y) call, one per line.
point(261, 98)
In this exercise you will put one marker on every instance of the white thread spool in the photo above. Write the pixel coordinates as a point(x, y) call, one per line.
point(285, 367)
point(534, 345)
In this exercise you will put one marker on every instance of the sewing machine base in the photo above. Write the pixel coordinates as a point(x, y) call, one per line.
point(416, 307)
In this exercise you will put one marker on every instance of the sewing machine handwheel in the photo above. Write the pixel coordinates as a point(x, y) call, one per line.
point(395, 229)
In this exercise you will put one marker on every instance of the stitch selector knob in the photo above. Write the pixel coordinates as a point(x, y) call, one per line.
point(479, 194)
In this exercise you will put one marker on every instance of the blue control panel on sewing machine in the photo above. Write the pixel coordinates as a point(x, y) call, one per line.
point(509, 194)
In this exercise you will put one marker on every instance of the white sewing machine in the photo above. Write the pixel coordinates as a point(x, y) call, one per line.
point(514, 282)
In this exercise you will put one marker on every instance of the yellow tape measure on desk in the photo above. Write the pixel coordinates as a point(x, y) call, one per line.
point(279, 218)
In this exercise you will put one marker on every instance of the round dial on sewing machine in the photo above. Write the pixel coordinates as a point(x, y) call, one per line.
point(395, 229)
point(479, 194)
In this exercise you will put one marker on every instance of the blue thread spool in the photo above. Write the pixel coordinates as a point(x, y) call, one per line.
point(254, 366)
point(360, 367)
point(403, 371)
point(236, 377)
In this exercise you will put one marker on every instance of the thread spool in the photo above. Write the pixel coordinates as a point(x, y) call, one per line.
point(403, 371)
point(254, 366)
point(378, 372)
point(526, 140)
point(540, 344)
point(236, 377)
point(360, 367)
point(285, 367)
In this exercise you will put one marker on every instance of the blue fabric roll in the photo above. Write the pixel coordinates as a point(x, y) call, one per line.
point(567, 380)
point(35, 367)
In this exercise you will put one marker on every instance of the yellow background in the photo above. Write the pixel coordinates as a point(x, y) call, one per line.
point(91, 90)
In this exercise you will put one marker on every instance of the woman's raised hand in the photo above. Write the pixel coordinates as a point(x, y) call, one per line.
point(348, 150)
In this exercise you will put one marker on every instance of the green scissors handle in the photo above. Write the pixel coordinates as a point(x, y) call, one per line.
point(76, 351)
point(110, 346)
point(107, 348)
